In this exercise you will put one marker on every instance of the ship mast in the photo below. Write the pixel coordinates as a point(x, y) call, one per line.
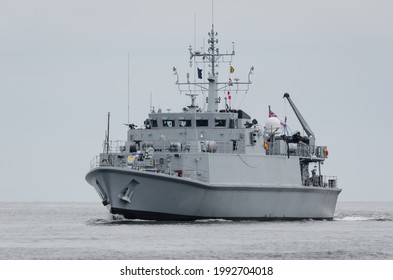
point(213, 100)
point(213, 57)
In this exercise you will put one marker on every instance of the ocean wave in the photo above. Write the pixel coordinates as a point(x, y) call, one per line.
point(207, 221)
point(116, 220)
point(363, 218)
point(120, 220)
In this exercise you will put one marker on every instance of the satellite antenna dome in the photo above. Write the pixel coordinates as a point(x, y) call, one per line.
point(272, 125)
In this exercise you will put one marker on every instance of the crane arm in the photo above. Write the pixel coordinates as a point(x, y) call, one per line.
point(302, 121)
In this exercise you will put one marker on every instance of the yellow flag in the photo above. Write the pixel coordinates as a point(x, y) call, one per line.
point(231, 69)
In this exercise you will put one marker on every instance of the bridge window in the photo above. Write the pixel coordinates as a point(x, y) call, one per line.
point(202, 122)
point(184, 123)
point(220, 123)
point(153, 123)
point(168, 123)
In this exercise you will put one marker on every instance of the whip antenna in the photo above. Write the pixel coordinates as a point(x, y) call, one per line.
point(128, 88)
point(213, 12)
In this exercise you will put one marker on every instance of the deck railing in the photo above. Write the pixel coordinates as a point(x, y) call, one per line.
point(324, 181)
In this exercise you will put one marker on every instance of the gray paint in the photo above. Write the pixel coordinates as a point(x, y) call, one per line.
point(214, 163)
point(165, 194)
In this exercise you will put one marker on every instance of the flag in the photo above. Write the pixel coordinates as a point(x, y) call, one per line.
point(199, 73)
point(271, 114)
point(230, 82)
point(231, 69)
point(229, 95)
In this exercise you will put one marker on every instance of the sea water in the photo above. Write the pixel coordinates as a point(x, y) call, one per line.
point(359, 230)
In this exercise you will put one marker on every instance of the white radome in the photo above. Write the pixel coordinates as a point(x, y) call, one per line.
point(272, 124)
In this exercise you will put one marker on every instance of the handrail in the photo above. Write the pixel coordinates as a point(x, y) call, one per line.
point(114, 146)
point(324, 181)
point(193, 174)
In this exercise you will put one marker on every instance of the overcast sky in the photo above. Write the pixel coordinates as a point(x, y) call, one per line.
point(63, 66)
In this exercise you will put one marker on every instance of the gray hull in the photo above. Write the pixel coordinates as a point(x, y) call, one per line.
point(152, 196)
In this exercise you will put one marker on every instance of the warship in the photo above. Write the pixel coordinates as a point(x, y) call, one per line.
point(214, 161)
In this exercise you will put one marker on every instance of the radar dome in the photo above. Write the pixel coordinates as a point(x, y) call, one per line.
point(272, 124)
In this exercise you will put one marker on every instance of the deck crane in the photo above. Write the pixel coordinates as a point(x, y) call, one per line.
point(302, 121)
